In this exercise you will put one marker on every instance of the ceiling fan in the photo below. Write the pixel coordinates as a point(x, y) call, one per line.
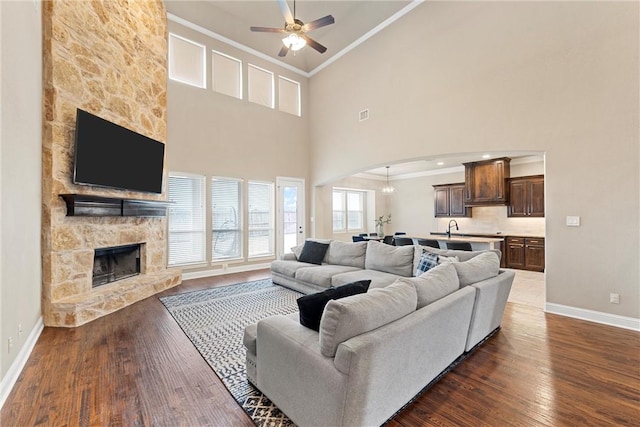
point(296, 29)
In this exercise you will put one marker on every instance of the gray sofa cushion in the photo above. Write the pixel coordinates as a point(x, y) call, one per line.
point(344, 253)
point(321, 275)
point(434, 284)
point(379, 279)
point(462, 255)
point(288, 268)
point(478, 268)
point(348, 317)
point(390, 259)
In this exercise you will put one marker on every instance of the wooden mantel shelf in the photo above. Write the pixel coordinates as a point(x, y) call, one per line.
point(85, 205)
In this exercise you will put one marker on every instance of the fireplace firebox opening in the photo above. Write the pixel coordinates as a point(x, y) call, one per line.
point(115, 263)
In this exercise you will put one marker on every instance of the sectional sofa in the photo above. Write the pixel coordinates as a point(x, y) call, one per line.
point(374, 352)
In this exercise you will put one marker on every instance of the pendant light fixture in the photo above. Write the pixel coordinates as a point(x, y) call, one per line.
point(388, 189)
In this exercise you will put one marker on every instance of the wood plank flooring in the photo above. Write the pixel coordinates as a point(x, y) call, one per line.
point(136, 367)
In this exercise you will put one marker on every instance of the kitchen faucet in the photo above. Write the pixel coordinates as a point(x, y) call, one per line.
point(455, 223)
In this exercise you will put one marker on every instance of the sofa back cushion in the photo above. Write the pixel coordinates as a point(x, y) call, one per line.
point(449, 253)
point(434, 284)
point(390, 259)
point(478, 268)
point(352, 316)
point(346, 253)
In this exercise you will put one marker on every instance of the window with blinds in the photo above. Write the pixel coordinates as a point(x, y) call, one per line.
point(288, 96)
point(260, 86)
point(226, 72)
point(348, 210)
point(186, 61)
point(226, 219)
point(186, 219)
point(260, 223)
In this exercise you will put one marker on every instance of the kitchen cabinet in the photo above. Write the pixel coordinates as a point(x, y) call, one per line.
point(526, 196)
point(448, 201)
point(485, 182)
point(525, 253)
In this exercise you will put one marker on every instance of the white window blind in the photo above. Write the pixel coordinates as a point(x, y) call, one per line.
point(260, 86)
point(186, 219)
point(226, 221)
point(186, 61)
point(288, 96)
point(349, 210)
point(226, 74)
point(261, 222)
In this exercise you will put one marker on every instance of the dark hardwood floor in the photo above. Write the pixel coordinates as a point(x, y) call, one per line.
point(136, 367)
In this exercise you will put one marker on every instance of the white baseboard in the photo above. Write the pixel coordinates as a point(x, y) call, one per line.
point(220, 271)
point(9, 380)
point(594, 316)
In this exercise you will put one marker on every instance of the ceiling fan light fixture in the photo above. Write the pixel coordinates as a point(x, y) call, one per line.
point(294, 42)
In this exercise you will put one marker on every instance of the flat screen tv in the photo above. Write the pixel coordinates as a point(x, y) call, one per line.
point(109, 155)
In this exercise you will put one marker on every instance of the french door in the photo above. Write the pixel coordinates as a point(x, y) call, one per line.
point(290, 227)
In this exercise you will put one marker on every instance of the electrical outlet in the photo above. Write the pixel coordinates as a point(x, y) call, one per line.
point(9, 344)
point(19, 329)
point(614, 298)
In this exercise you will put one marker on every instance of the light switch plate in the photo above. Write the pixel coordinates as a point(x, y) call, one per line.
point(573, 221)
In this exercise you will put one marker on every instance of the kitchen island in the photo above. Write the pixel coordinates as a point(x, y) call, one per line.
point(477, 243)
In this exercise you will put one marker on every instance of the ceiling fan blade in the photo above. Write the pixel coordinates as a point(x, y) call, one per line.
point(314, 44)
point(283, 52)
point(322, 22)
point(286, 12)
point(267, 30)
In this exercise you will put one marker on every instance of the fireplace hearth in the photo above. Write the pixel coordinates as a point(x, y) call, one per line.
point(115, 263)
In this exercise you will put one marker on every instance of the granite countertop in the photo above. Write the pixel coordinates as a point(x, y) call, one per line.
point(463, 238)
point(502, 235)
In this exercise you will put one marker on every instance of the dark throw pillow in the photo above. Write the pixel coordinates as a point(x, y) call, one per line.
point(313, 252)
point(427, 262)
point(311, 306)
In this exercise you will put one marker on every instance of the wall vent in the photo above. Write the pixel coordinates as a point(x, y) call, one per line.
point(364, 115)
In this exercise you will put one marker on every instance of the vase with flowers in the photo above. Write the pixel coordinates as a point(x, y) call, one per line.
point(380, 222)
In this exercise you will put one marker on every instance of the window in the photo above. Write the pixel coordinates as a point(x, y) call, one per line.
point(261, 223)
point(186, 61)
point(348, 210)
point(186, 219)
point(226, 224)
point(289, 96)
point(260, 86)
point(226, 72)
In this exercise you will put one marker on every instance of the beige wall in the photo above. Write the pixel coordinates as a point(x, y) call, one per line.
point(554, 77)
point(20, 163)
point(217, 135)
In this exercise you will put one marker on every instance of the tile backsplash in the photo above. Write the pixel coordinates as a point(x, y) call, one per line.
point(493, 219)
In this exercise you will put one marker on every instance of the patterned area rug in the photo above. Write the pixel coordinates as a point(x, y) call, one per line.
point(214, 320)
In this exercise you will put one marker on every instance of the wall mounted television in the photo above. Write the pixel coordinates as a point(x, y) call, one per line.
point(109, 155)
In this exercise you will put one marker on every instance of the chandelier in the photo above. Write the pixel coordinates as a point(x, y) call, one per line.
point(388, 189)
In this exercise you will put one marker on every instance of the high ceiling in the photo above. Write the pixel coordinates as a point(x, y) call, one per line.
point(354, 21)
point(232, 19)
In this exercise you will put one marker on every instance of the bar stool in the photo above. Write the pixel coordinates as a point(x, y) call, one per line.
point(459, 246)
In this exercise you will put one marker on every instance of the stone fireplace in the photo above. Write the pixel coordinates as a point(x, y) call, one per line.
point(107, 58)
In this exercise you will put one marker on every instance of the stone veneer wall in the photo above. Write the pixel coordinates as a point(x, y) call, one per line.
point(108, 58)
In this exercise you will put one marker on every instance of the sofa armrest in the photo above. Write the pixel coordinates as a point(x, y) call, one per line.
point(295, 375)
point(491, 300)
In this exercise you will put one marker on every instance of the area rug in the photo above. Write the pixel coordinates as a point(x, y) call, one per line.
point(214, 320)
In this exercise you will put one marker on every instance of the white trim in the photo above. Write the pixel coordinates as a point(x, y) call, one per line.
point(594, 316)
point(216, 36)
point(221, 271)
point(350, 47)
point(366, 36)
point(9, 380)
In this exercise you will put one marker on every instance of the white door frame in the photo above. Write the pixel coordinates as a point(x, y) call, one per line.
point(282, 182)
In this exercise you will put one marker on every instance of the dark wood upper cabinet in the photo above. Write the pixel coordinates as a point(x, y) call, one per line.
point(485, 182)
point(526, 196)
point(449, 201)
